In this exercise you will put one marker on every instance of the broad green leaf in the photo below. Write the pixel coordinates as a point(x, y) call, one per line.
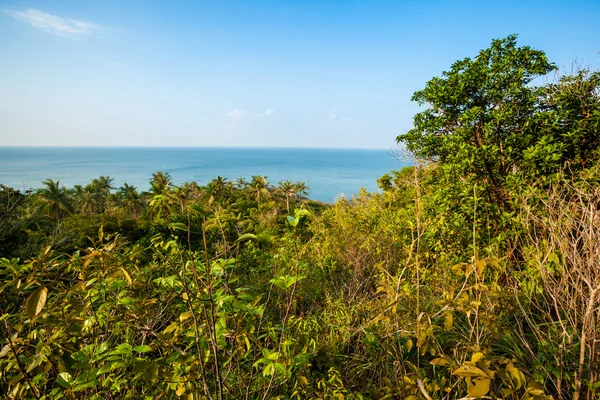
point(292, 221)
point(151, 373)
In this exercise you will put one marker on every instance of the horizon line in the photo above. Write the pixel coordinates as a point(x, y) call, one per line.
point(190, 147)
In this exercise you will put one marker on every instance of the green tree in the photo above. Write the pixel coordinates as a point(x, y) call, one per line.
point(478, 114)
point(160, 182)
point(217, 189)
point(55, 201)
point(130, 198)
point(288, 190)
point(259, 188)
point(87, 200)
point(241, 183)
point(567, 127)
point(302, 190)
point(103, 184)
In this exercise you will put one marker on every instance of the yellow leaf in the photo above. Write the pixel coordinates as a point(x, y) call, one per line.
point(185, 315)
point(35, 302)
point(439, 361)
point(303, 380)
point(476, 357)
point(478, 387)
point(469, 371)
point(127, 277)
point(480, 265)
point(459, 269)
point(517, 375)
point(180, 390)
point(448, 321)
point(77, 286)
point(494, 264)
point(408, 345)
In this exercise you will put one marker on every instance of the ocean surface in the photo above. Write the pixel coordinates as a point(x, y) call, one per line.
point(328, 172)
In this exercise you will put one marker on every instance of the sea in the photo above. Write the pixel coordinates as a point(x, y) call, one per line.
point(329, 173)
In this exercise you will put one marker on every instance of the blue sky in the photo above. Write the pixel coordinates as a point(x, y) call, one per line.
point(251, 73)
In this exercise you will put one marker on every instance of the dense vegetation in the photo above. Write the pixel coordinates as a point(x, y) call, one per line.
point(473, 274)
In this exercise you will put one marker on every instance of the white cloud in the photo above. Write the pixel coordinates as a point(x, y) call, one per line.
point(335, 117)
point(235, 118)
point(54, 24)
point(236, 115)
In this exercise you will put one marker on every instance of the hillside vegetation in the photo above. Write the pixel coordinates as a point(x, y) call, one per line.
point(474, 273)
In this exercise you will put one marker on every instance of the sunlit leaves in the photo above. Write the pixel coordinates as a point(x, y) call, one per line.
point(35, 302)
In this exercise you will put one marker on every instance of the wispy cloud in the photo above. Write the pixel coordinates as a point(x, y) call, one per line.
point(56, 25)
point(335, 117)
point(235, 118)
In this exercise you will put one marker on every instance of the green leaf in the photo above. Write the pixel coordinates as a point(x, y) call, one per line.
point(151, 373)
point(178, 226)
point(35, 302)
point(553, 258)
point(142, 349)
point(65, 379)
point(246, 236)
point(79, 356)
point(141, 366)
point(292, 221)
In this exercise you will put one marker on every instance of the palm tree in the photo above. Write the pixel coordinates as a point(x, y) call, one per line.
point(259, 188)
point(88, 201)
point(55, 200)
point(302, 190)
point(103, 185)
point(99, 191)
point(160, 182)
point(130, 198)
point(217, 188)
point(287, 189)
point(187, 194)
point(241, 183)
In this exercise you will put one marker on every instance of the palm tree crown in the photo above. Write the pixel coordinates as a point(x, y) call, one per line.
point(259, 188)
point(55, 200)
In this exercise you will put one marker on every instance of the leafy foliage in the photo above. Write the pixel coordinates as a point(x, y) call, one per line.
point(473, 275)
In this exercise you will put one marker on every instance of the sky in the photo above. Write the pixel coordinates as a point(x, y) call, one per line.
point(306, 73)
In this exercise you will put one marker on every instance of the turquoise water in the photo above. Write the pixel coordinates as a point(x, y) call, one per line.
point(328, 172)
